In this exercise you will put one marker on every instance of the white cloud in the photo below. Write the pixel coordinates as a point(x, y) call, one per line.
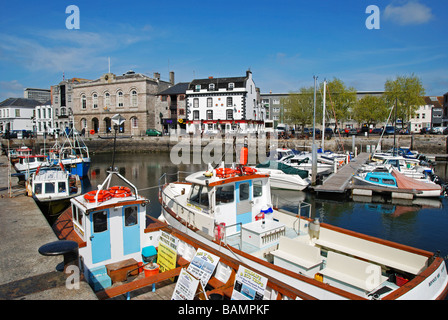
point(410, 13)
point(66, 50)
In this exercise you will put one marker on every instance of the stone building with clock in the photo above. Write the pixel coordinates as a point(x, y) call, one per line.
point(133, 95)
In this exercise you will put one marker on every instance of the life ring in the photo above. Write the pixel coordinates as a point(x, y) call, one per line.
point(120, 192)
point(92, 131)
point(249, 170)
point(103, 195)
point(225, 172)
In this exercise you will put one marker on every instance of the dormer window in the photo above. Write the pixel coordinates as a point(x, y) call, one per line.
point(211, 87)
point(231, 86)
point(197, 88)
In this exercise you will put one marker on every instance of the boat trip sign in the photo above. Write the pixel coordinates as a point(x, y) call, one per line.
point(249, 285)
point(186, 286)
point(203, 265)
point(167, 254)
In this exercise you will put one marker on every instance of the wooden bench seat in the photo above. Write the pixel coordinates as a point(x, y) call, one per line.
point(297, 256)
point(347, 270)
point(372, 251)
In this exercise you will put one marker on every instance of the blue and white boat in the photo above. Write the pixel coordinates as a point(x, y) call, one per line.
point(74, 155)
point(393, 180)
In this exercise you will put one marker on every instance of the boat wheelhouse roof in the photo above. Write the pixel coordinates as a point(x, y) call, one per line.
point(50, 175)
point(200, 179)
point(81, 202)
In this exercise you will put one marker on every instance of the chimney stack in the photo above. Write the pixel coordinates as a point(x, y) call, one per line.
point(157, 75)
point(172, 77)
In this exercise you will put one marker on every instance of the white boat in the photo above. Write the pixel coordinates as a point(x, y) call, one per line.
point(53, 187)
point(30, 163)
point(282, 176)
point(116, 240)
point(233, 214)
point(408, 167)
point(300, 160)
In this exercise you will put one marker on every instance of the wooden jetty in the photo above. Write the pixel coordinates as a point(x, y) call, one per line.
point(339, 182)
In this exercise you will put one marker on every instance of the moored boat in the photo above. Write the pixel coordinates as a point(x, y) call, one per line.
point(52, 187)
point(234, 215)
point(392, 180)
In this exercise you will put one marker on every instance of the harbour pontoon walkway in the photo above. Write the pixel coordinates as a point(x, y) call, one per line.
point(338, 182)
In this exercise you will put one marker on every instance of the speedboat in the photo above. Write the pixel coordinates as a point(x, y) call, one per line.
point(408, 167)
point(282, 176)
point(52, 187)
point(229, 209)
point(395, 181)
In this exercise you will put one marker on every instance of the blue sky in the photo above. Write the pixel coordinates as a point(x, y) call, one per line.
point(284, 43)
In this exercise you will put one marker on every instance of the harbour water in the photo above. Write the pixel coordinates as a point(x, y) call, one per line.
point(422, 225)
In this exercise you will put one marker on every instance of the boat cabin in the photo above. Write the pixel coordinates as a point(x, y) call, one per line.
point(55, 184)
point(226, 199)
point(381, 179)
point(110, 225)
point(30, 162)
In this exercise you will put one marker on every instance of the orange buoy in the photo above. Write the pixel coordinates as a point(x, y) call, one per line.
point(120, 192)
point(225, 172)
point(249, 170)
point(92, 131)
point(101, 195)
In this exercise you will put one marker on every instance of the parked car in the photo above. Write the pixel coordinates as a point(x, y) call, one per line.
point(445, 131)
point(376, 131)
point(328, 132)
point(153, 132)
point(439, 130)
point(389, 130)
point(353, 132)
point(425, 130)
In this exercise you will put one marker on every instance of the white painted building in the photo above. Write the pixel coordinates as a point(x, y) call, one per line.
point(17, 114)
point(44, 119)
point(224, 105)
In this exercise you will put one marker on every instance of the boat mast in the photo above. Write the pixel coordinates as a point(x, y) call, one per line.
point(314, 151)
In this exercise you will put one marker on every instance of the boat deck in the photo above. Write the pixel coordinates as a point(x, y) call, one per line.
point(339, 182)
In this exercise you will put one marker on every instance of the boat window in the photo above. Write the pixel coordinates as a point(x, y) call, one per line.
point(258, 188)
point(244, 191)
point(38, 188)
point(199, 195)
point(388, 181)
point(130, 216)
point(374, 179)
point(225, 194)
point(61, 187)
point(49, 187)
point(80, 217)
point(31, 160)
point(99, 221)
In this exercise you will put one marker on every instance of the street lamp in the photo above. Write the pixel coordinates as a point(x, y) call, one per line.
point(118, 120)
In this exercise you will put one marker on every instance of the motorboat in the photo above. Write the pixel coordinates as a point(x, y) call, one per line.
point(30, 163)
point(394, 180)
point(229, 209)
point(52, 187)
point(283, 176)
point(408, 167)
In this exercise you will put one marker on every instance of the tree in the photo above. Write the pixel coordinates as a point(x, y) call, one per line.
point(370, 110)
point(299, 106)
point(407, 91)
point(340, 99)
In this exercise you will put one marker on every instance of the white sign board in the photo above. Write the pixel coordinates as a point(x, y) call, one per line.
point(249, 285)
point(186, 286)
point(203, 265)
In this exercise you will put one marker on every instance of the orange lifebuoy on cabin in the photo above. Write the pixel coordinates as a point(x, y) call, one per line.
point(249, 170)
point(120, 192)
point(92, 131)
point(225, 172)
point(102, 195)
